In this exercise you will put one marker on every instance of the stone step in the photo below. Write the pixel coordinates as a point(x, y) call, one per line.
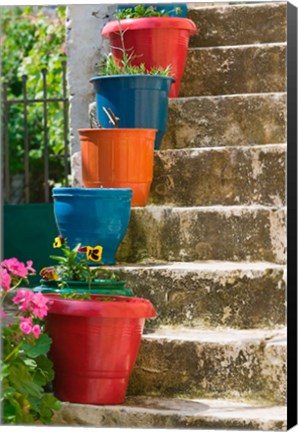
point(211, 294)
point(212, 121)
point(234, 70)
point(222, 175)
point(149, 412)
point(234, 120)
point(239, 24)
point(224, 233)
point(235, 364)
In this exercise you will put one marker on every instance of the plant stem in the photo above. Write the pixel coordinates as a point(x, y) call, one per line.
point(4, 293)
point(12, 353)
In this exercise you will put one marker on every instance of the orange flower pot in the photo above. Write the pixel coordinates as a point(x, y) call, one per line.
point(118, 158)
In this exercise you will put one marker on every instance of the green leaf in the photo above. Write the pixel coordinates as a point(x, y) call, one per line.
point(44, 371)
point(23, 381)
point(10, 410)
point(48, 404)
point(30, 363)
point(7, 391)
point(41, 346)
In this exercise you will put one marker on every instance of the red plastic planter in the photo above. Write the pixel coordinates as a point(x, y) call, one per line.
point(95, 345)
point(159, 41)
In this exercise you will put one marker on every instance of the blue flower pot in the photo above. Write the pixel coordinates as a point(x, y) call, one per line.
point(93, 217)
point(140, 101)
point(167, 7)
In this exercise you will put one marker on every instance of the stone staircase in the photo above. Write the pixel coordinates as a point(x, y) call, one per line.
point(209, 250)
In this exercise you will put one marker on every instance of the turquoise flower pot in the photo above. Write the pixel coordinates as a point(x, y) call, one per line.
point(93, 217)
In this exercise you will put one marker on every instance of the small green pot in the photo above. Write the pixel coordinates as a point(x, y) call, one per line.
point(98, 286)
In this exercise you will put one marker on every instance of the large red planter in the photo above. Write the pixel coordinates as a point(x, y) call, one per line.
point(95, 345)
point(154, 41)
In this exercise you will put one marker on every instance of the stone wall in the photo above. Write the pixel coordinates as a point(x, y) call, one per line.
point(85, 51)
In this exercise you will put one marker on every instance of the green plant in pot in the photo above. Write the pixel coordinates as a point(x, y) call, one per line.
point(138, 96)
point(96, 337)
point(72, 275)
point(155, 38)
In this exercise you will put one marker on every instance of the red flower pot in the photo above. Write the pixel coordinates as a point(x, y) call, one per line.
point(154, 41)
point(95, 345)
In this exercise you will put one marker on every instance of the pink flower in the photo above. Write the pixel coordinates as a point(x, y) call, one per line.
point(29, 267)
point(2, 313)
point(5, 279)
point(39, 305)
point(35, 303)
point(25, 327)
point(15, 267)
point(24, 298)
point(27, 320)
point(36, 331)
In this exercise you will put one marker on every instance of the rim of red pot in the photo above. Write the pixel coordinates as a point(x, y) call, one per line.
point(119, 307)
point(149, 23)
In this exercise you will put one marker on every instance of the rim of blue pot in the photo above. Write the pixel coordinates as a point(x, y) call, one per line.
point(127, 76)
point(91, 192)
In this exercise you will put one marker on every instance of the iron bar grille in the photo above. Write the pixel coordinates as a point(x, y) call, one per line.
point(26, 102)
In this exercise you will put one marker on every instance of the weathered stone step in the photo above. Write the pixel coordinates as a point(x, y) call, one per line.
point(239, 24)
point(149, 412)
point(234, 69)
point(223, 175)
point(212, 364)
point(210, 294)
point(224, 233)
point(211, 121)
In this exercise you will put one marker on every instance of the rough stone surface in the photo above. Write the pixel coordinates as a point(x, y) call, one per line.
point(224, 176)
point(224, 233)
point(76, 170)
point(210, 121)
point(239, 24)
point(234, 69)
point(212, 364)
point(148, 412)
point(85, 51)
point(206, 295)
point(227, 176)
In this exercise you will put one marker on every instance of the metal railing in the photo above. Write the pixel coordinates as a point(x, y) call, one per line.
point(25, 101)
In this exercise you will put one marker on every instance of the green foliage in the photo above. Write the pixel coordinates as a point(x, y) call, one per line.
point(85, 296)
point(124, 67)
point(24, 376)
point(140, 11)
point(25, 371)
point(25, 368)
point(33, 40)
point(72, 266)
